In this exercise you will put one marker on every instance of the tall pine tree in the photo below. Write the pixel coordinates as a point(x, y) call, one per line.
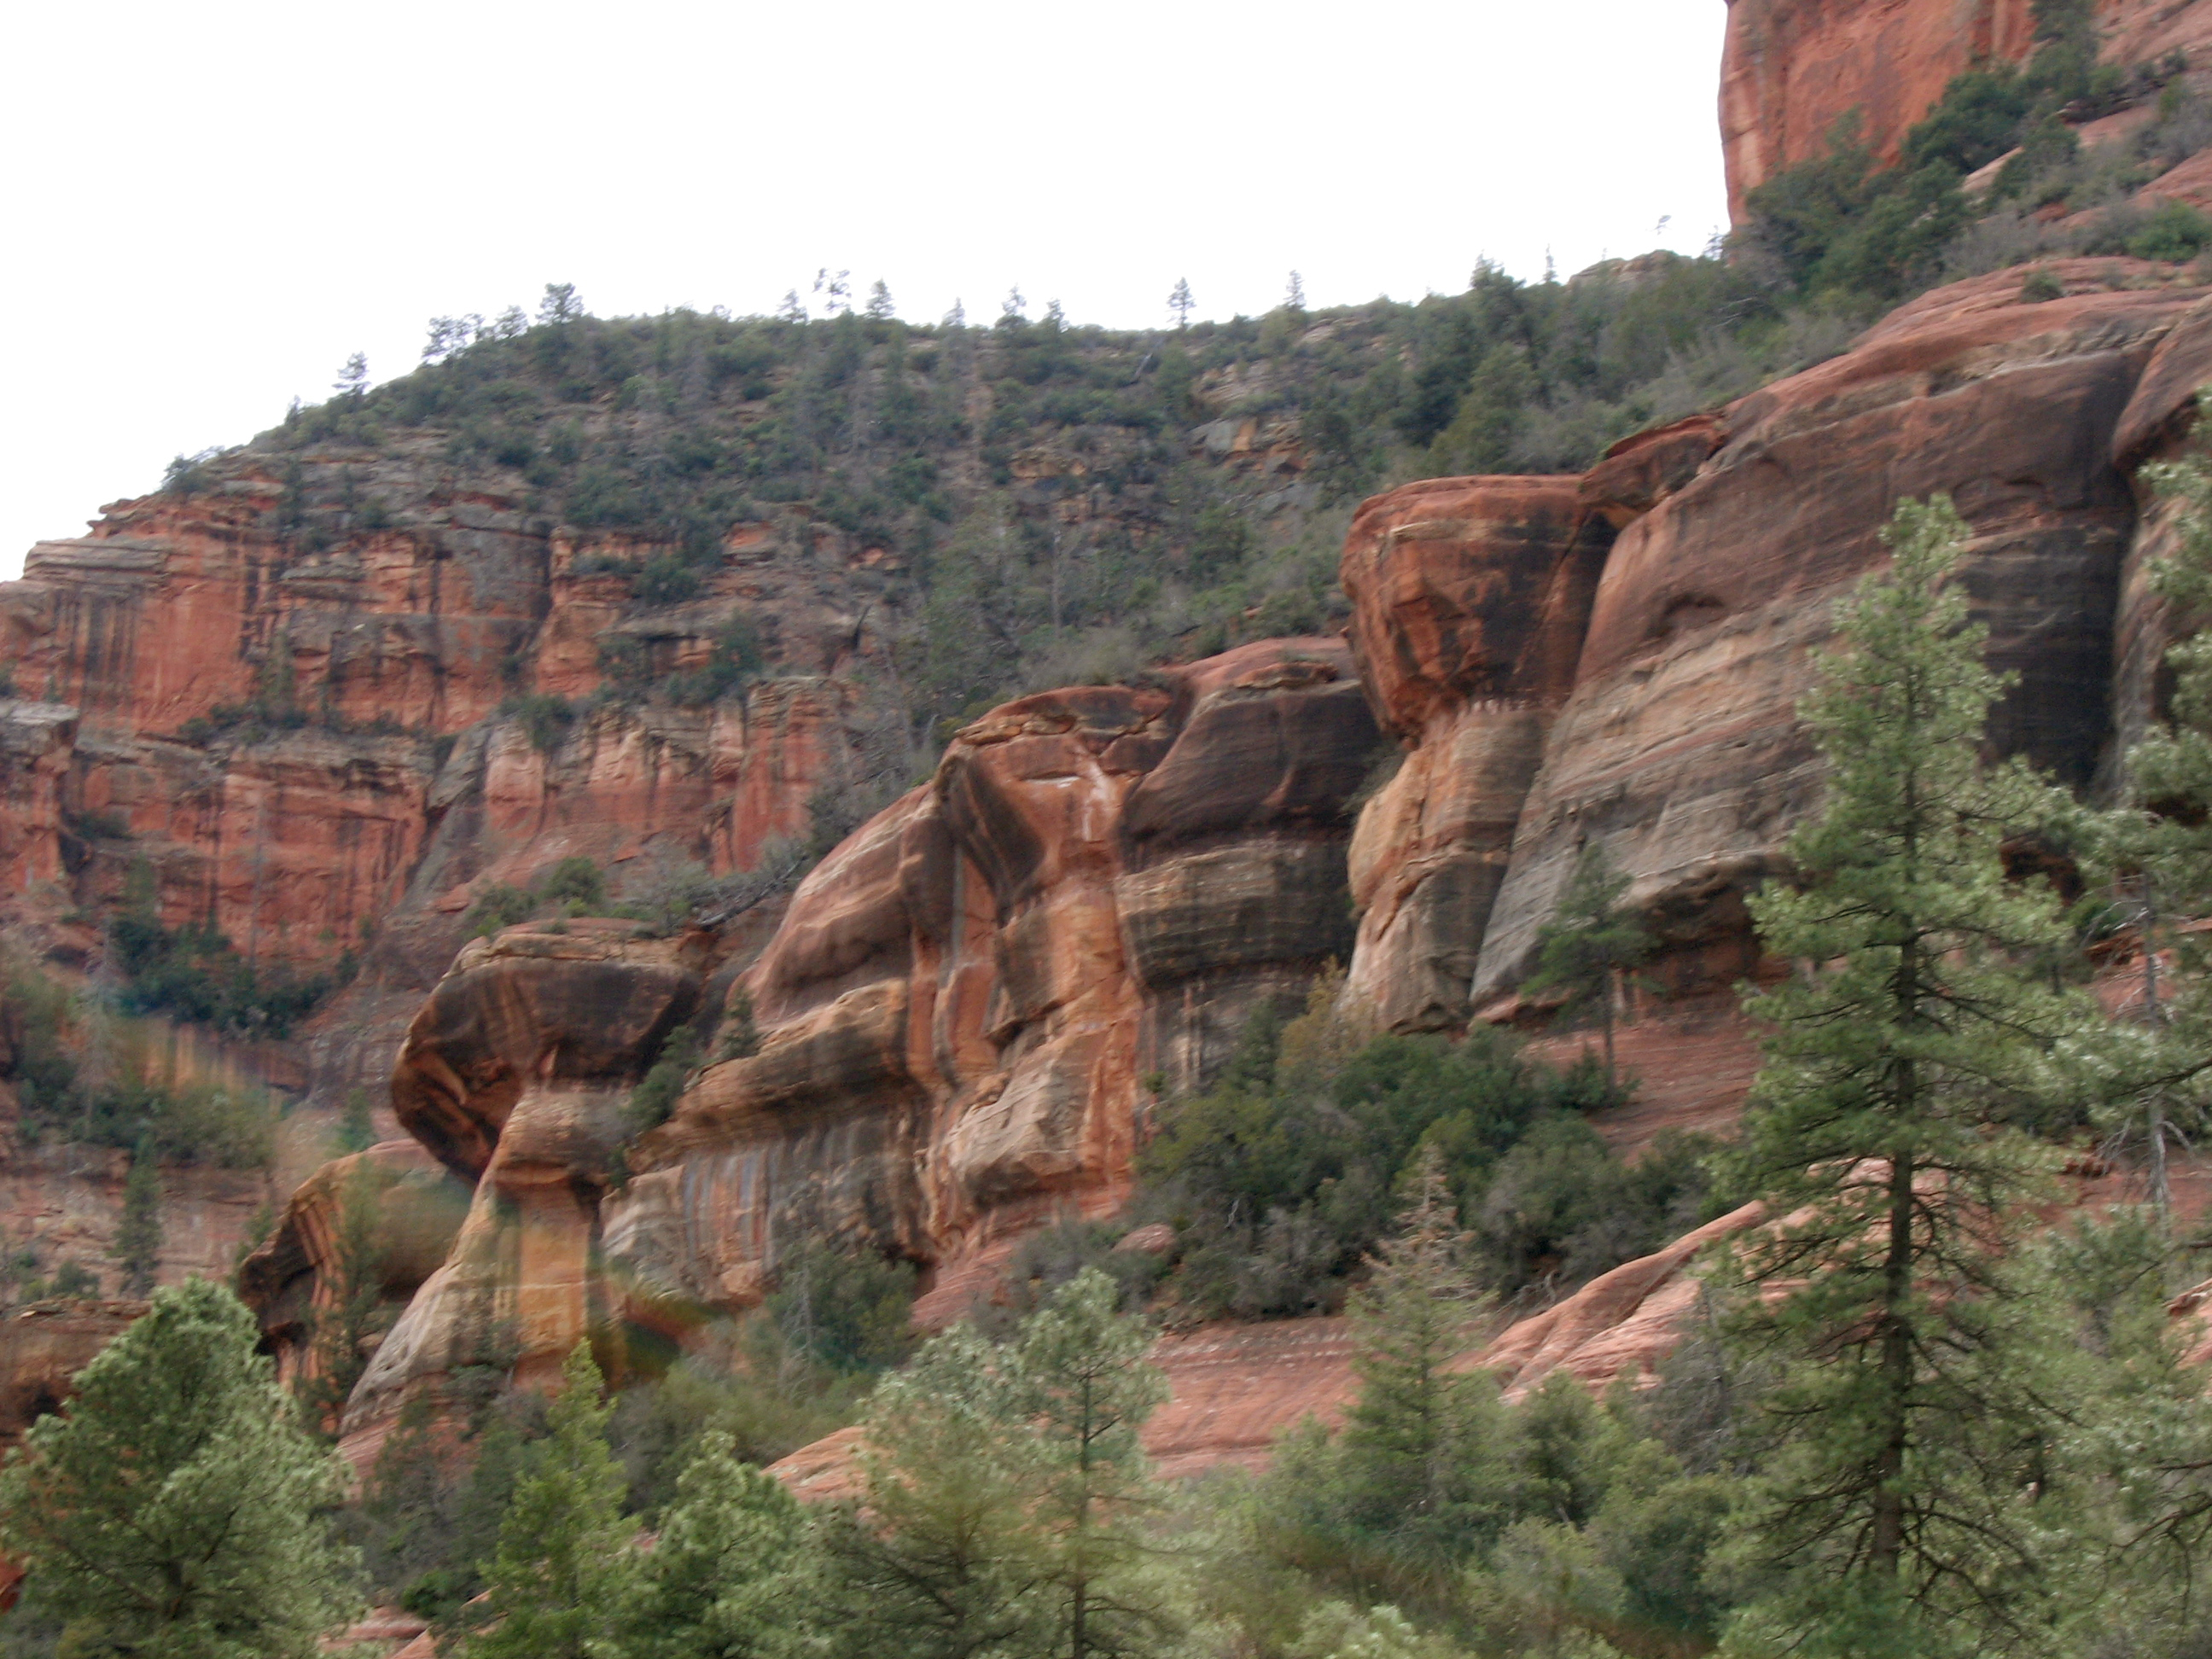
point(730, 1575)
point(1891, 1509)
point(175, 1507)
point(1088, 1385)
point(553, 1584)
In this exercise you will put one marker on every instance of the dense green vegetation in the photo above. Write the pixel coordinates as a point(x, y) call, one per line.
point(177, 1507)
point(194, 974)
point(1281, 1177)
point(82, 1073)
point(1047, 514)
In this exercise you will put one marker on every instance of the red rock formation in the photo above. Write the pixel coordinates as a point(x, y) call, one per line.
point(513, 1075)
point(1621, 1323)
point(1469, 600)
point(1791, 69)
point(42, 1348)
point(412, 1208)
point(1680, 747)
point(954, 1016)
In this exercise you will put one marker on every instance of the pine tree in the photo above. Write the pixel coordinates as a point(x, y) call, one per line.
point(138, 1248)
point(1180, 304)
point(175, 1507)
point(1898, 1056)
point(730, 1575)
point(1591, 944)
point(552, 1585)
point(1418, 1454)
point(1086, 1383)
point(1005, 1488)
point(940, 1563)
point(357, 1127)
point(879, 301)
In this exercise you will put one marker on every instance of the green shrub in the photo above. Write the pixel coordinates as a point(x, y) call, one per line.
point(196, 974)
point(735, 662)
point(845, 1311)
point(2039, 286)
point(497, 906)
point(2173, 232)
point(574, 884)
point(544, 718)
point(654, 1100)
point(1283, 1175)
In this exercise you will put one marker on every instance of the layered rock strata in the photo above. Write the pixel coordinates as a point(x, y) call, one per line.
point(1792, 70)
point(959, 1022)
point(1679, 749)
point(515, 1076)
point(1470, 597)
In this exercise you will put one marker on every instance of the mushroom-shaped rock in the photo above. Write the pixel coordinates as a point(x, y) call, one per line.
point(517, 1070)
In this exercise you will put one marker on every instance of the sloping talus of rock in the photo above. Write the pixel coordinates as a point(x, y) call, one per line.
point(1679, 748)
point(1469, 597)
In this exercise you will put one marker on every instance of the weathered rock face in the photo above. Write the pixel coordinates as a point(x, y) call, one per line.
point(515, 1075)
point(962, 999)
point(389, 1214)
point(296, 731)
point(953, 1016)
point(1680, 747)
point(1470, 597)
point(1792, 70)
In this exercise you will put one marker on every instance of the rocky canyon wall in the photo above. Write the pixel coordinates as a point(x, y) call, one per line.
point(1792, 70)
point(958, 1028)
point(960, 1024)
point(971, 1007)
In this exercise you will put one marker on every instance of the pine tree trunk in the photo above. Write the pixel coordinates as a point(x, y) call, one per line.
point(1612, 990)
point(1885, 1543)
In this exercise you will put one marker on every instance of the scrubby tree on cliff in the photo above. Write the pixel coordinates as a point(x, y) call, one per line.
point(1891, 1510)
point(175, 1507)
point(1418, 1475)
point(553, 1587)
point(2158, 1065)
point(138, 1248)
point(1591, 944)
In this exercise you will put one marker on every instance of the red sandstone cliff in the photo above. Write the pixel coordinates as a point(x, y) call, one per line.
point(1792, 68)
point(956, 1017)
point(963, 1009)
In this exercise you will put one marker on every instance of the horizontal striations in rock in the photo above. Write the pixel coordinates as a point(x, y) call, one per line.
point(1470, 597)
point(1680, 748)
point(954, 1012)
point(1234, 895)
point(515, 1075)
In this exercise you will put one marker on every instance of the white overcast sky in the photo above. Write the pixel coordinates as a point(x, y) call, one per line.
point(207, 207)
